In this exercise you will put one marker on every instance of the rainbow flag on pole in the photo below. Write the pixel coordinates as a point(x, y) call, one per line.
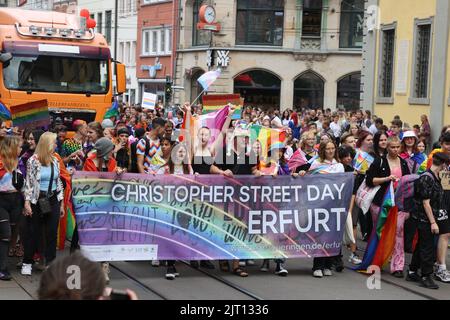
point(208, 78)
point(214, 102)
point(31, 114)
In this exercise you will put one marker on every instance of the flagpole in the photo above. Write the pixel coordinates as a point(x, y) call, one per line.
point(198, 96)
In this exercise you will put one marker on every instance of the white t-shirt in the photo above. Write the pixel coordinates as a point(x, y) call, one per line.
point(336, 128)
point(276, 122)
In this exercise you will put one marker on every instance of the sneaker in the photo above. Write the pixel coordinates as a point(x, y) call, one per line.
point(413, 276)
point(280, 270)
point(354, 259)
point(207, 264)
point(194, 264)
point(318, 273)
point(327, 272)
point(105, 267)
point(5, 275)
point(242, 263)
point(338, 264)
point(26, 269)
point(428, 283)
point(250, 262)
point(398, 274)
point(265, 266)
point(155, 263)
point(442, 275)
point(171, 273)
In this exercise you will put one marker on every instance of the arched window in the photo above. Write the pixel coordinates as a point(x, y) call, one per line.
point(352, 24)
point(196, 89)
point(308, 91)
point(258, 88)
point(349, 92)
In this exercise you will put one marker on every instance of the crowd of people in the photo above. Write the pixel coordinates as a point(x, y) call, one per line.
point(36, 166)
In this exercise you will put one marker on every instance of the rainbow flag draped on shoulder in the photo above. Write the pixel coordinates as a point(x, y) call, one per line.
point(382, 240)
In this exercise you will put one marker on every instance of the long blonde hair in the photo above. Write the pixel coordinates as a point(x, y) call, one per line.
point(46, 148)
point(9, 147)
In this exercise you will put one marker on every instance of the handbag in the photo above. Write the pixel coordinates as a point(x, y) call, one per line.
point(365, 196)
point(45, 207)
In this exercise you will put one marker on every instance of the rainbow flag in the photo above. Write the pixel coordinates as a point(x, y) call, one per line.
point(113, 111)
point(208, 78)
point(5, 114)
point(382, 240)
point(214, 102)
point(266, 136)
point(362, 161)
point(31, 114)
point(213, 120)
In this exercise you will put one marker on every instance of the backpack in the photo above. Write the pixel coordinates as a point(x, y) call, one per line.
point(404, 195)
point(134, 167)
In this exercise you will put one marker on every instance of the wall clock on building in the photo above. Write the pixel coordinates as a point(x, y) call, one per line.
point(207, 18)
point(207, 14)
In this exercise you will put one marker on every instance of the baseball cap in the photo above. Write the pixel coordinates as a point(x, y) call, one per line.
point(409, 134)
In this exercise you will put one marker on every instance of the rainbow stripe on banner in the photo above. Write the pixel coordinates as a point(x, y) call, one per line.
point(214, 102)
point(31, 114)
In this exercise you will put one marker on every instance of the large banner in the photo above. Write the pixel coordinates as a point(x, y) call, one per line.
point(210, 217)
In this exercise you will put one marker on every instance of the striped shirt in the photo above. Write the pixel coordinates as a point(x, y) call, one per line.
point(155, 148)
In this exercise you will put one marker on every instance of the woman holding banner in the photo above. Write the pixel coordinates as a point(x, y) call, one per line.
point(326, 163)
point(178, 163)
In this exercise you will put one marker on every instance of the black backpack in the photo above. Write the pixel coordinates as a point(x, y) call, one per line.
point(134, 166)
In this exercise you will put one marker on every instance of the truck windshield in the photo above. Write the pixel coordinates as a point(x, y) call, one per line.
point(56, 74)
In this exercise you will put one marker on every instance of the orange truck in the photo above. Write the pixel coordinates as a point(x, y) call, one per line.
point(52, 56)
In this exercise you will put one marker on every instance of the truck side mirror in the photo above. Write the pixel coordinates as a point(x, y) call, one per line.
point(5, 58)
point(121, 83)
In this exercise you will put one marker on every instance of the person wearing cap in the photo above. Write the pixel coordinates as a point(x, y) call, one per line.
point(410, 152)
point(266, 122)
point(101, 160)
point(234, 160)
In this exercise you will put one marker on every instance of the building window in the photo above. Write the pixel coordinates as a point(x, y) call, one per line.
point(121, 54)
point(349, 92)
point(199, 37)
point(386, 65)
point(156, 41)
point(312, 18)
point(352, 24)
point(108, 24)
point(99, 22)
point(421, 62)
point(260, 22)
point(308, 91)
point(259, 87)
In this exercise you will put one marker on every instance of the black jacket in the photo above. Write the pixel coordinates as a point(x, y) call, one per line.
point(380, 169)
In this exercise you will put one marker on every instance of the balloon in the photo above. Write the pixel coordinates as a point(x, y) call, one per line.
point(91, 23)
point(84, 13)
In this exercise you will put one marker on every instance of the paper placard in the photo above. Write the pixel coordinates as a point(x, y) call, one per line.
point(149, 100)
point(445, 179)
